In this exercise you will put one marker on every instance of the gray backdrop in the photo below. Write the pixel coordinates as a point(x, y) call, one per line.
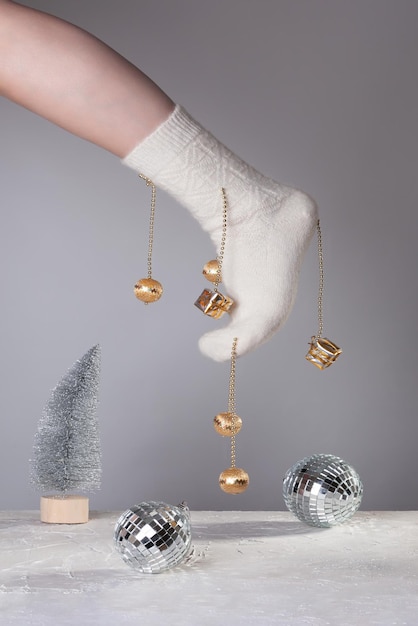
point(319, 94)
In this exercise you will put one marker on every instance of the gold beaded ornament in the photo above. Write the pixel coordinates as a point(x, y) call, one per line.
point(213, 302)
point(148, 289)
point(322, 352)
point(234, 479)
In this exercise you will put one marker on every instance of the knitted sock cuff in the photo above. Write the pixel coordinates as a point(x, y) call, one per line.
point(155, 152)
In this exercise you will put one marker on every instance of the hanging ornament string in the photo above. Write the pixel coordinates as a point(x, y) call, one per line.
point(213, 302)
point(322, 352)
point(151, 222)
point(234, 479)
point(220, 256)
point(321, 281)
point(231, 399)
point(147, 289)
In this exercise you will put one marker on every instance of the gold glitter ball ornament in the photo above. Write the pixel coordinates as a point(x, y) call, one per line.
point(234, 480)
point(227, 424)
point(211, 271)
point(148, 290)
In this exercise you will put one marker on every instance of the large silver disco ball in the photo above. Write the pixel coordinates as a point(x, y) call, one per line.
point(322, 490)
point(153, 536)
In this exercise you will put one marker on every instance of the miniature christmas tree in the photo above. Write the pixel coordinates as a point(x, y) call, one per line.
point(66, 455)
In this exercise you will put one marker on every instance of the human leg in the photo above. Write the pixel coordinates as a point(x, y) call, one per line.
point(71, 78)
point(76, 81)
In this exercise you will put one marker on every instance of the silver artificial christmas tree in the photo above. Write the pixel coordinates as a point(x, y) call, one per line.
point(66, 456)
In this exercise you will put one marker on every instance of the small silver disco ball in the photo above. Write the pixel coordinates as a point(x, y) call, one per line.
point(322, 490)
point(153, 536)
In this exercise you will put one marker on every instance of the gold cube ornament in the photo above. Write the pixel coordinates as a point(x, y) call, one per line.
point(213, 303)
point(322, 352)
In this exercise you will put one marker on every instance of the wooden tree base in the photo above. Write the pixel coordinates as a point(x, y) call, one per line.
point(64, 509)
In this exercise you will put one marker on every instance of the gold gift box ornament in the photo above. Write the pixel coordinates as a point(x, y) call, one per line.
point(213, 303)
point(322, 352)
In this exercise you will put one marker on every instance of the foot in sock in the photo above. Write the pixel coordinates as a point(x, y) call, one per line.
point(269, 226)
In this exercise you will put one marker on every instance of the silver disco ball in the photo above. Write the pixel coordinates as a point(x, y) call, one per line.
point(322, 490)
point(153, 536)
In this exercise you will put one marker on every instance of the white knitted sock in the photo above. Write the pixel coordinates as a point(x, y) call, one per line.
point(269, 226)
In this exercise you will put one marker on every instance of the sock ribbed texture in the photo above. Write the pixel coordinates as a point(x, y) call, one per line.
point(269, 226)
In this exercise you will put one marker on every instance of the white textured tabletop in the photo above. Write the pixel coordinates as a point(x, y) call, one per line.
point(248, 568)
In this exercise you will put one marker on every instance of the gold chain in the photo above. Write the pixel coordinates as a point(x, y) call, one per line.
point(321, 282)
point(220, 256)
point(151, 222)
point(231, 397)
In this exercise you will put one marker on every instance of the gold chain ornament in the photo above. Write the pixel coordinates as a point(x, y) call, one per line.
point(214, 303)
point(147, 289)
point(322, 352)
point(234, 479)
